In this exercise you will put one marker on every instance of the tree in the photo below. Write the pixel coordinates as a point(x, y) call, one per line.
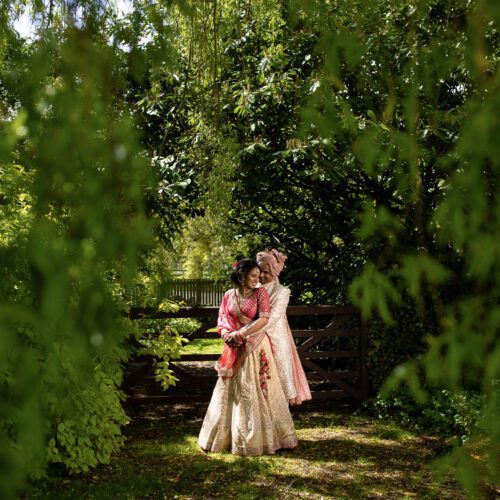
point(74, 223)
point(355, 148)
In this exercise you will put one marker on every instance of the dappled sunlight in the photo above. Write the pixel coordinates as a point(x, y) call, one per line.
point(340, 455)
point(203, 346)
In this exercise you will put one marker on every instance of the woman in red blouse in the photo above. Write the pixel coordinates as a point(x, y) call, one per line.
point(248, 413)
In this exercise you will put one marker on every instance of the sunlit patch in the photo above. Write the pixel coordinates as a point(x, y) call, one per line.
point(340, 455)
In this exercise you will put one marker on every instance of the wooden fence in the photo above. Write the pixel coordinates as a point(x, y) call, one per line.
point(196, 292)
point(190, 292)
point(333, 355)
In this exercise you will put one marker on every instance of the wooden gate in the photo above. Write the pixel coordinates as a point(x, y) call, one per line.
point(331, 342)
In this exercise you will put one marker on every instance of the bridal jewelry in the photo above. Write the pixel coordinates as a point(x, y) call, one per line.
point(242, 298)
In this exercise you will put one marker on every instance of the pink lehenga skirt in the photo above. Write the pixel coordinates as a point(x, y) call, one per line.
point(248, 414)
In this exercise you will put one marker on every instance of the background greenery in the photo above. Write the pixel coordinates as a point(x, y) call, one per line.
point(359, 138)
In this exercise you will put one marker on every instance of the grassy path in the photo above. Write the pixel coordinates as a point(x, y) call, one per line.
point(340, 455)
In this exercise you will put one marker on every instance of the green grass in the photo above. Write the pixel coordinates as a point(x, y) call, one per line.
point(340, 455)
point(203, 346)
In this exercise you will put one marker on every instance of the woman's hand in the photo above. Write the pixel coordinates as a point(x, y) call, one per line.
point(226, 335)
point(235, 338)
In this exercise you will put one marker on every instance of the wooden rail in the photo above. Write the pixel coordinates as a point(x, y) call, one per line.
point(321, 363)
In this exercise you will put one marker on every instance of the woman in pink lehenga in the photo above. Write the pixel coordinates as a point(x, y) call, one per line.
point(248, 413)
point(292, 376)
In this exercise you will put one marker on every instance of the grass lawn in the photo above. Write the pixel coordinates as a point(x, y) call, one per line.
point(203, 346)
point(340, 455)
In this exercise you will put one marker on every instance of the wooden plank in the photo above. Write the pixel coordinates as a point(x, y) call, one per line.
point(338, 374)
point(328, 376)
point(203, 335)
point(201, 380)
point(198, 287)
point(310, 342)
point(180, 372)
point(329, 354)
point(320, 310)
point(198, 357)
point(212, 311)
point(338, 322)
point(326, 333)
point(329, 394)
point(172, 398)
point(203, 329)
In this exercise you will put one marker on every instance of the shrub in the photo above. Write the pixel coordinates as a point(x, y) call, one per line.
point(86, 424)
point(166, 345)
point(445, 413)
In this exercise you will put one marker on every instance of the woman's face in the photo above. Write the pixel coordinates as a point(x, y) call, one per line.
point(265, 274)
point(252, 278)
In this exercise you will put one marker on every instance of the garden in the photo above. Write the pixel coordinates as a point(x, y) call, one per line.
point(145, 141)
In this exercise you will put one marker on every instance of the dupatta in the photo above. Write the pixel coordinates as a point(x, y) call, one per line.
point(231, 318)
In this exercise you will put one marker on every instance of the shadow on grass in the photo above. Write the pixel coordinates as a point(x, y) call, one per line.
point(338, 456)
point(162, 472)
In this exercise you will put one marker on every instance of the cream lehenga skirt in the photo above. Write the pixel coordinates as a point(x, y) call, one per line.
point(249, 413)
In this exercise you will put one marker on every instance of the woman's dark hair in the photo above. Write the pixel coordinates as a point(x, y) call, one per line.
point(241, 269)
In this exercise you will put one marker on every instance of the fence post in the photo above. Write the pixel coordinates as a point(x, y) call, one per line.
point(364, 355)
point(198, 285)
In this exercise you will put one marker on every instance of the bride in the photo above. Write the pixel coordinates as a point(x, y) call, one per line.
point(248, 413)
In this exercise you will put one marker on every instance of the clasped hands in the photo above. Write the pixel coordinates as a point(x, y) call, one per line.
point(234, 339)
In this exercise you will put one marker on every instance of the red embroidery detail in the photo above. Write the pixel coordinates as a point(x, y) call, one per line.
point(257, 305)
point(263, 372)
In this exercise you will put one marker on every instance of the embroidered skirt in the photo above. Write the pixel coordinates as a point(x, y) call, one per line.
point(249, 413)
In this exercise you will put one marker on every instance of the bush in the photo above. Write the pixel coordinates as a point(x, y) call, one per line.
point(166, 345)
point(445, 413)
point(86, 424)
